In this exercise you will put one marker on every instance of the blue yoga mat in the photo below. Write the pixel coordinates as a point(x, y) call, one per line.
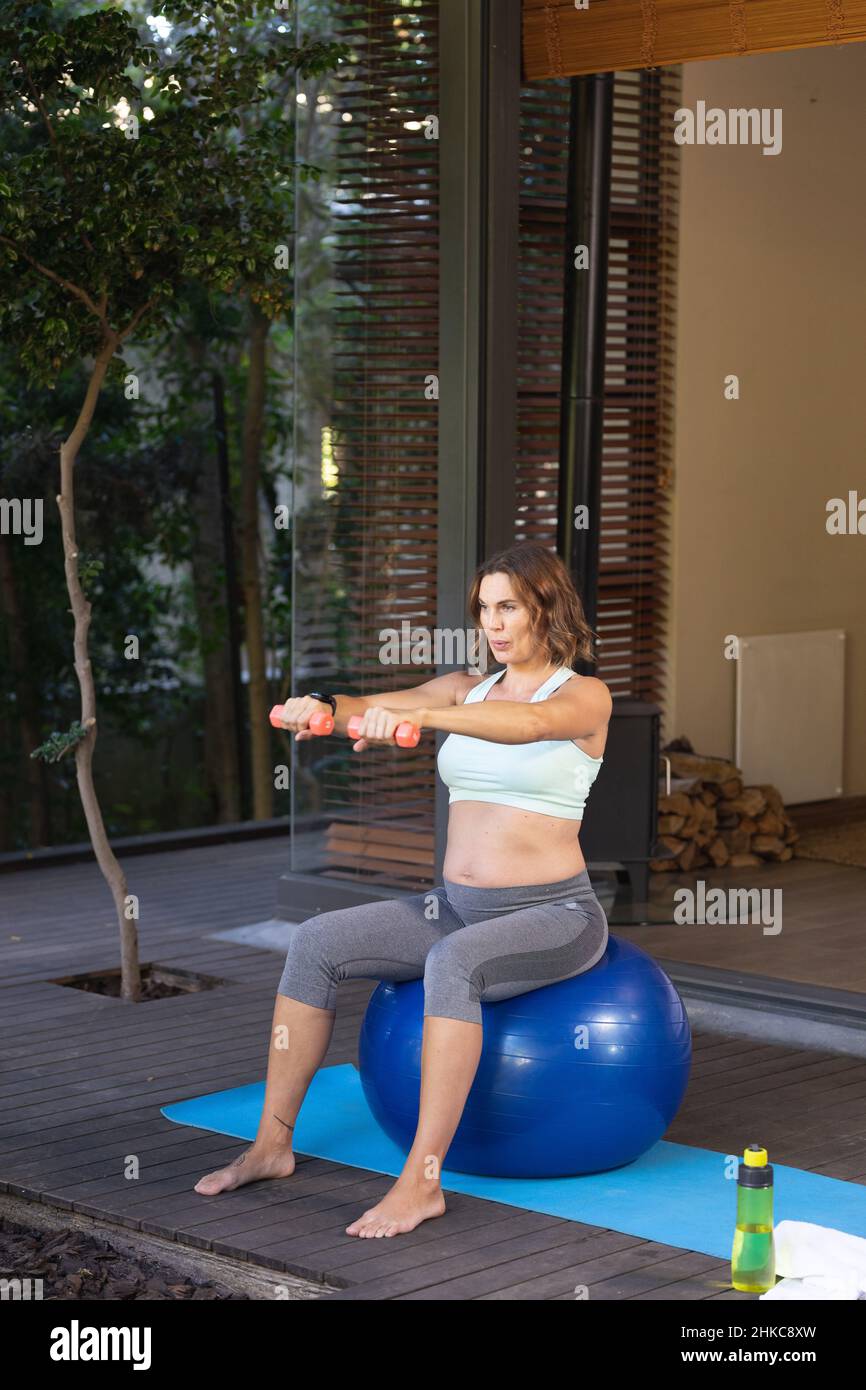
point(674, 1194)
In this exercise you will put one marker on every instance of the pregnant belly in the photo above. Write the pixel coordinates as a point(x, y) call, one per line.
point(494, 846)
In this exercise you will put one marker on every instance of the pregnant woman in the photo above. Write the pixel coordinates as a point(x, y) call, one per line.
point(516, 909)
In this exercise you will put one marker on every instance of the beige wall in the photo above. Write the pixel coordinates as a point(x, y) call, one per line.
point(772, 287)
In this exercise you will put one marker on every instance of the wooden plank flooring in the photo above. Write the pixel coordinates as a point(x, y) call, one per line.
point(823, 936)
point(83, 1078)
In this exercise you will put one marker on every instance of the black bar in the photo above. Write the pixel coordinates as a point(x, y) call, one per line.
point(584, 333)
point(500, 212)
point(479, 82)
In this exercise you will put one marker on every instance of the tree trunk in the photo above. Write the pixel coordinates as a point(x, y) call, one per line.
point(81, 609)
point(234, 599)
point(221, 717)
point(254, 417)
point(6, 826)
point(28, 729)
point(212, 568)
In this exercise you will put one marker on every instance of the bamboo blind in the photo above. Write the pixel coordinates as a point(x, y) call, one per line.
point(373, 539)
point(639, 361)
point(367, 557)
point(560, 40)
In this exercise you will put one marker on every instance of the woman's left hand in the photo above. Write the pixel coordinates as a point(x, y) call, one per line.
point(379, 725)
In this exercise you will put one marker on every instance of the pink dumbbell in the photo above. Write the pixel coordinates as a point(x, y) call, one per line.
point(407, 735)
point(320, 723)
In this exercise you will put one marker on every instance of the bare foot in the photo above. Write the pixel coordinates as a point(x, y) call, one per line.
point(251, 1166)
point(400, 1210)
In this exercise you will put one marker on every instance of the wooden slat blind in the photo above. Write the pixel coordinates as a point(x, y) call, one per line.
point(366, 555)
point(637, 443)
point(366, 549)
point(560, 40)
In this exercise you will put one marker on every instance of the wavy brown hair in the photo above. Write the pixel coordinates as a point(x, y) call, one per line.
point(558, 622)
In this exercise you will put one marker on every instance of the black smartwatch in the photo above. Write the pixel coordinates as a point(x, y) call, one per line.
point(328, 699)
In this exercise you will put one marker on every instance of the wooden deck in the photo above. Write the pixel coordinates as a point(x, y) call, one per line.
point(84, 1076)
point(823, 924)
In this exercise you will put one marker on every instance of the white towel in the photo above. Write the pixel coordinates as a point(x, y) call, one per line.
point(817, 1262)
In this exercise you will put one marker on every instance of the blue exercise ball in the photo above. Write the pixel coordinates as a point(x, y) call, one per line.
point(576, 1077)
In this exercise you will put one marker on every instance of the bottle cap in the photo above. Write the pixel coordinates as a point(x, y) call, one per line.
point(755, 1157)
point(755, 1171)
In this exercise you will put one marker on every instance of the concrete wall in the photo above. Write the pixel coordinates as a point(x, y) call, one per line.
point(771, 287)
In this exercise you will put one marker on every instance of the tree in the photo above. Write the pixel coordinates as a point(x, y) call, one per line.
point(121, 182)
point(254, 337)
point(129, 492)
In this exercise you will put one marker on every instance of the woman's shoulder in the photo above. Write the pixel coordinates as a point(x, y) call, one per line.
point(467, 681)
point(590, 686)
point(588, 682)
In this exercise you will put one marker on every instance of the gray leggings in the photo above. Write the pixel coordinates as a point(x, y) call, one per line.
point(469, 944)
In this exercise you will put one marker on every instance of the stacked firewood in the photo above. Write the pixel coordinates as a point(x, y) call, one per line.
point(711, 818)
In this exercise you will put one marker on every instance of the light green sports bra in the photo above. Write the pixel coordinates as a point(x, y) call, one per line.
point(552, 777)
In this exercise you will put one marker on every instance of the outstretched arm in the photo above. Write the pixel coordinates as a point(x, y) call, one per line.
point(386, 710)
point(440, 692)
point(576, 710)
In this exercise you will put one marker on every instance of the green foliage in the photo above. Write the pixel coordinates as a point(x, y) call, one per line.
point(159, 235)
point(125, 486)
point(105, 213)
point(89, 568)
point(59, 744)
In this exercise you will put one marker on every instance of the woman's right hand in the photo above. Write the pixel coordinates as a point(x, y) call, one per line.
point(296, 714)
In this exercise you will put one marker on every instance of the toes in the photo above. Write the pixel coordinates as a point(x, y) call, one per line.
point(211, 1184)
point(372, 1225)
point(358, 1228)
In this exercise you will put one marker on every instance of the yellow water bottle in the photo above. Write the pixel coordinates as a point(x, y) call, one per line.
point(753, 1258)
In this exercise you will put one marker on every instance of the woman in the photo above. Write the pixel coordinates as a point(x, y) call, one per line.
point(516, 910)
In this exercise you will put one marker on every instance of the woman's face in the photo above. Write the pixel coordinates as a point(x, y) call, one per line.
point(505, 619)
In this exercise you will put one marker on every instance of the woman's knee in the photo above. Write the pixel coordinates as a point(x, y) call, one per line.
point(325, 931)
point(310, 973)
point(451, 989)
point(444, 956)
